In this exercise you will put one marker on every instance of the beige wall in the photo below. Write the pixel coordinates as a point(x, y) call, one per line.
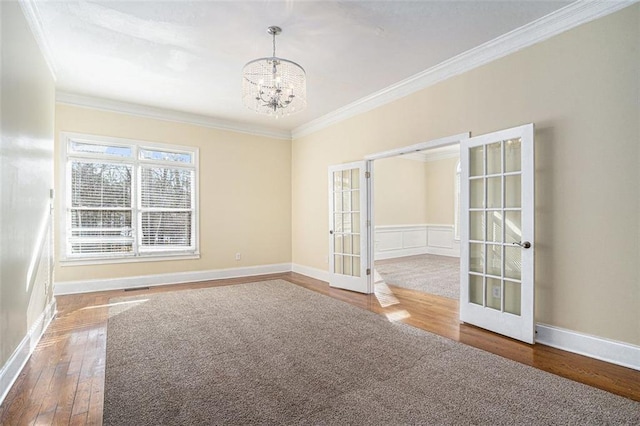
point(441, 191)
point(26, 175)
point(581, 90)
point(245, 193)
point(400, 192)
point(410, 192)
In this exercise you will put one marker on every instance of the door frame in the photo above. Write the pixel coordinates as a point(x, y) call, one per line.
point(435, 143)
point(370, 159)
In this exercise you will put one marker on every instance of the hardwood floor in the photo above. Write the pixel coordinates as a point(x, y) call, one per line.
point(63, 381)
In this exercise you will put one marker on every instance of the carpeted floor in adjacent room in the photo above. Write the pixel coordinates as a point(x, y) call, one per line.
point(428, 273)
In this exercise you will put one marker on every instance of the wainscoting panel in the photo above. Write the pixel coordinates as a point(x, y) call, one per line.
point(414, 238)
point(440, 238)
point(393, 241)
point(389, 241)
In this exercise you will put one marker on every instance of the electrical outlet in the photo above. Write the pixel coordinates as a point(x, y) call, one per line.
point(495, 291)
point(238, 256)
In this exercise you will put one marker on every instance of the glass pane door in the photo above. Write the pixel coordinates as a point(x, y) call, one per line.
point(495, 225)
point(348, 226)
point(346, 221)
point(497, 272)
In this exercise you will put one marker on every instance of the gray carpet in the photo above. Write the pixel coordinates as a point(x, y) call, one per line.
point(439, 275)
point(275, 353)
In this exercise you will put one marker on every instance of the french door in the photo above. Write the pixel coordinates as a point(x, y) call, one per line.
point(497, 231)
point(349, 223)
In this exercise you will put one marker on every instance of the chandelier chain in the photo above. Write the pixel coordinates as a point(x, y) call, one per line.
point(274, 44)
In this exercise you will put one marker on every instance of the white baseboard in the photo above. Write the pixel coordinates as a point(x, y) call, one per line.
point(318, 274)
point(439, 251)
point(88, 286)
point(382, 255)
point(620, 353)
point(392, 254)
point(18, 359)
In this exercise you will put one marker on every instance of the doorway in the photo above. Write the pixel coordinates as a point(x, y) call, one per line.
point(416, 233)
point(497, 210)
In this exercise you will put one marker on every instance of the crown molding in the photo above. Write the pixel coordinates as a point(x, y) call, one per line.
point(167, 115)
point(564, 19)
point(32, 15)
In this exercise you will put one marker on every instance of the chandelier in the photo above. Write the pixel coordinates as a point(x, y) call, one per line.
point(274, 86)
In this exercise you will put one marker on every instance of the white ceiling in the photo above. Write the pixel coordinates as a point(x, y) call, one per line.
point(188, 56)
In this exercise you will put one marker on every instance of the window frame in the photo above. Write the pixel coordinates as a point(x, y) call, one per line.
point(136, 255)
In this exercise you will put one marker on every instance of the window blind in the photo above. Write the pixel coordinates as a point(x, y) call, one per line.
point(166, 206)
point(100, 213)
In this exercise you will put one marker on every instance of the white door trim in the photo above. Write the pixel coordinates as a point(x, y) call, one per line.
point(435, 143)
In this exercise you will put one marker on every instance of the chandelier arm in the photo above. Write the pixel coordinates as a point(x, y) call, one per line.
point(275, 101)
point(266, 101)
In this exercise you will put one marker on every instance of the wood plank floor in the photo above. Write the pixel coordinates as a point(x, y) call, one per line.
point(63, 381)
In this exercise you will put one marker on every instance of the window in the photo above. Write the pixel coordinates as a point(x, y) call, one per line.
point(128, 200)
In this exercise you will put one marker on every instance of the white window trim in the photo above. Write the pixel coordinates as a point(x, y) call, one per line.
point(63, 201)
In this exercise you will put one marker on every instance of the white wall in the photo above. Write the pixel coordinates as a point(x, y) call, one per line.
point(26, 176)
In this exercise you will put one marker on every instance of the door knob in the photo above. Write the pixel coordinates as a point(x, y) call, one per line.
point(523, 244)
point(331, 232)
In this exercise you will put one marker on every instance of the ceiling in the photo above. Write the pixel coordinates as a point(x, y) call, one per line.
point(188, 56)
